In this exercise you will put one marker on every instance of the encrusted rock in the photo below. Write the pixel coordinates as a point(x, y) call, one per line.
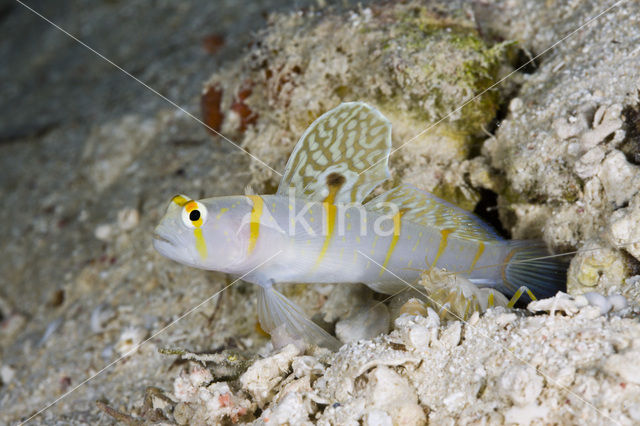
point(265, 374)
point(416, 62)
point(596, 268)
point(521, 384)
point(367, 322)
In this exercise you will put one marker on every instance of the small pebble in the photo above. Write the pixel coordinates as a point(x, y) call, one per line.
point(130, 340)
point(366, 323)
point(599, 301)
point(128, 219)
point(100, 316)
point(6, 374)
point(51, 328)
point(618, 302)
point(103, 232)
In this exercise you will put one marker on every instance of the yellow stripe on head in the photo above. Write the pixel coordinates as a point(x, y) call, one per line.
point(201, 245)
point(180, 200)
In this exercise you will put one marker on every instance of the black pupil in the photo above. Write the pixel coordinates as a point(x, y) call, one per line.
point(194, 215)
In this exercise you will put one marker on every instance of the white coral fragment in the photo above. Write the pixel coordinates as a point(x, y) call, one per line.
point(203, 402)
point(130, 340)
point(561, 302)
point(620, 178)
point(392, 394)
point(624, 227)
point(265, 374)
point(625, 365)
point(366, 322)
point(128, 218)
point(521, 384)
point(417, 332)
point(606, 121)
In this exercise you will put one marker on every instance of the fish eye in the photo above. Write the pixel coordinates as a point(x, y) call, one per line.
point(194, 214)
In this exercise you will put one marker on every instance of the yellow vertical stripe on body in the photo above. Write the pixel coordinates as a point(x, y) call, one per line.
point(394, 240)
point(444, 235)
point(477, 256)
point(254, 221)
point(201, 245)
point(330, 213)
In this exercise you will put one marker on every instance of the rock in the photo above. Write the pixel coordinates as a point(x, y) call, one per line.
point(418, 332)
point(392, 394)
point(103, 232)
point(560, 147)
point(186, 386)
point(6, 374)
point(521, 384)
point(618, 302)
point(128, 219)
point(130, 339)
point(291, 409)
point(450, 336)
point(264, 375)
point(365, 323)
point(562, 302)
point(525, 415)
point(378, 58)
point(201, 402)
point(620, 178)
point(599, 301)
point(596, 268)
point(625, 365)
point(624, 228)
point(306, 366)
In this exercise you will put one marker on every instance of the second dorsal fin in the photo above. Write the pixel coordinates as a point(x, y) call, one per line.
point(349, 146)
point(426, 209)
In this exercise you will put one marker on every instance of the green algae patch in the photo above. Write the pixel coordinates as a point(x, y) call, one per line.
point(425, 67)
point(456, 63)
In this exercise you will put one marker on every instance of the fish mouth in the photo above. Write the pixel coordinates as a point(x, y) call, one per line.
point(160, 238)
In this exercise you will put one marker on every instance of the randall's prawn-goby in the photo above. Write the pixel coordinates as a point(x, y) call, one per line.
point(317, 228)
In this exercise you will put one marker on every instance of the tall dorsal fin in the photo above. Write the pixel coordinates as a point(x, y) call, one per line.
point(426, 209)
point(349, 144)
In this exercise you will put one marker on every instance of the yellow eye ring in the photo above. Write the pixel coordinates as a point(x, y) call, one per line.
point(194, 214)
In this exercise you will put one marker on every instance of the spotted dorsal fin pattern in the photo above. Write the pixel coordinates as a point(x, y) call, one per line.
point(426, 209)
point(351, 142)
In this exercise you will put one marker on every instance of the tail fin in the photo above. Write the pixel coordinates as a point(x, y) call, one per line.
point(277, 313)
point(530, 264)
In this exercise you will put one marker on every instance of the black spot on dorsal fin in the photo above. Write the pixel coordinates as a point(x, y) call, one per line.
point(335, 179)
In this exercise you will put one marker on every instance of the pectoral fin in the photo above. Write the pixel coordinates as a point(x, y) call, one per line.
point(275, 311)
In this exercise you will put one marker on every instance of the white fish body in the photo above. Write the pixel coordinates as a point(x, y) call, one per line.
point(315, 229)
